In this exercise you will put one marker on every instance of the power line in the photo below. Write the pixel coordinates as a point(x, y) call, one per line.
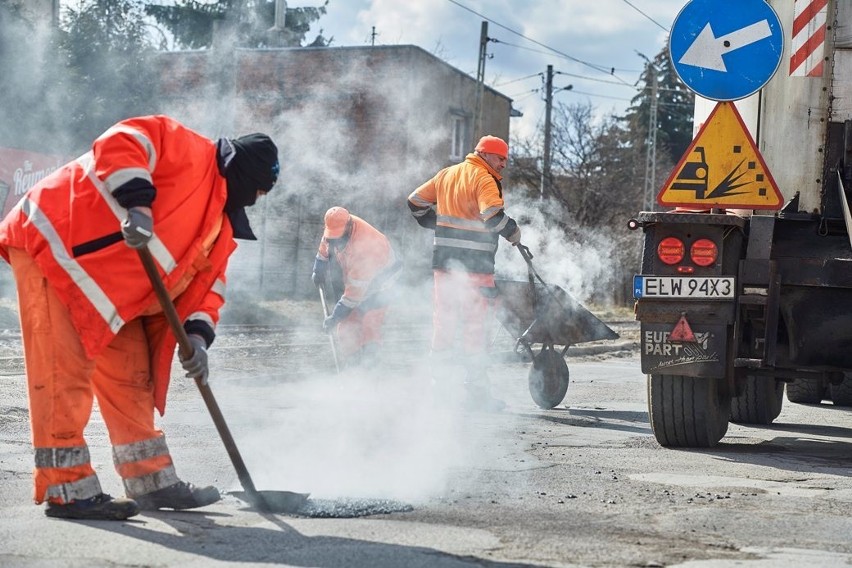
point(521, 47)
point(596, 95)
point(594, 79)
point(516, 80)
point(665, 29)
point(526, 94)
point(597, 66)
point(563, 54)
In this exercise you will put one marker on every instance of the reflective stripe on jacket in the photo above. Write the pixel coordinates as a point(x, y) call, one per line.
point(469, 203)
point(69, 223)
point(367, 260)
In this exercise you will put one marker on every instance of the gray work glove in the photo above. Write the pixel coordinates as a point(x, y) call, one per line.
point(137, 228)
point(196, 366)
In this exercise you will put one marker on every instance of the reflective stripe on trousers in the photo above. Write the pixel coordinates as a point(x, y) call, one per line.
point(130, 462)
point(75, 465)
point(62, 384)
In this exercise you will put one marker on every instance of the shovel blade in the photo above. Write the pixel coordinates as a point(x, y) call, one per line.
point(273, 501)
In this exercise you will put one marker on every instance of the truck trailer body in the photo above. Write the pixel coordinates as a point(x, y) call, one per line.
point(769, 298)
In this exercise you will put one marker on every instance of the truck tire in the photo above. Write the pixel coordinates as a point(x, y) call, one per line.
point(687, 412)
point(806, 391)
point(760, 402)
point(841, 394)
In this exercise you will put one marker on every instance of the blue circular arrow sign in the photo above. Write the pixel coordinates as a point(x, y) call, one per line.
point(726, 50)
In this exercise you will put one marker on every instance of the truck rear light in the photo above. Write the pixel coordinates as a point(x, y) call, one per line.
point(670, 250)
point(704, 252)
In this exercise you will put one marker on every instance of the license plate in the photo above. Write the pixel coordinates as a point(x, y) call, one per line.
point(684, 287)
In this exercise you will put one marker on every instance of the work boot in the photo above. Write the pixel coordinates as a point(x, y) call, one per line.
point(100, 507)
point(181, 495)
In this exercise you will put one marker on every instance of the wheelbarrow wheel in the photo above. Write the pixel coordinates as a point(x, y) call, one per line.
point(548, 378)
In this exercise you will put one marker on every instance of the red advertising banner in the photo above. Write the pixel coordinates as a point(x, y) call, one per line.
point(20, 170)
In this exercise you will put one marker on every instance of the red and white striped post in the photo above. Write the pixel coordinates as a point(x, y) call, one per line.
point(807, 51)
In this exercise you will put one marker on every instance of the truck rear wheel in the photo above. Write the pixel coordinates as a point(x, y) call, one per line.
point(688, 412)
point(760, 402)
point(841, 394)
point(806, 391)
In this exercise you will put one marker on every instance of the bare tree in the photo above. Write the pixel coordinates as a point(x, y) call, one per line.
point(596, 181)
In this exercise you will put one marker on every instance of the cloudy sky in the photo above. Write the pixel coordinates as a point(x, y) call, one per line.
point(582, 39)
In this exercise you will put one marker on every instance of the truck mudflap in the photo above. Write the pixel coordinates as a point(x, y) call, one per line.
point(703, 355)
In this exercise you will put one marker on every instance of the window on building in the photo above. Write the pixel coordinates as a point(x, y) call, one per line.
point(459, 145)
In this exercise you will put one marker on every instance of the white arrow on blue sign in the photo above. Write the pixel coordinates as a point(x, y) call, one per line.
point(726, 50)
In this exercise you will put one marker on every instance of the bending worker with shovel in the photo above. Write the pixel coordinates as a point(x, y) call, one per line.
point(91, 323)
point(370, 268)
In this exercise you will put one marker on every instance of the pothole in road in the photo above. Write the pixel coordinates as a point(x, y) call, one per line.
point(349, 508)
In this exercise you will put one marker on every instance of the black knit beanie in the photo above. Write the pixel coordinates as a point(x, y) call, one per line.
point(249, 164)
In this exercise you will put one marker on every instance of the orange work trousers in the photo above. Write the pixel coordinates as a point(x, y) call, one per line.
point(360, 329)
point(461, 301)
point(62, 383)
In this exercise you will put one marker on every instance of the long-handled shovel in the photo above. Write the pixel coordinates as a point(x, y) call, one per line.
point(267, 501)
point(331, 339)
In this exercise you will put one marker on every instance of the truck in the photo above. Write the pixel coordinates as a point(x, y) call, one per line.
point(735, 304)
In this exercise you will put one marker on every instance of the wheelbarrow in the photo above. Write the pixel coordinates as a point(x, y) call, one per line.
point(537, 313)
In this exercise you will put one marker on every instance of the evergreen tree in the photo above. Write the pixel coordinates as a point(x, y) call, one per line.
point(674, 108)
point(192, 22)
point(106, 47)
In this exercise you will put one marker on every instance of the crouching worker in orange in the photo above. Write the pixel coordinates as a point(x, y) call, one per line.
point(370, 268)
point(90, 320)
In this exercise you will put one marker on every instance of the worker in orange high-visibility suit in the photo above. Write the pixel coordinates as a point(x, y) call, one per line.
point(370, 268)
point(464, 205)
point(90, 320)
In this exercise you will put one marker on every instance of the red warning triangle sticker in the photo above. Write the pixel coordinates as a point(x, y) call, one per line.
point(722, 168)
point(682, 331)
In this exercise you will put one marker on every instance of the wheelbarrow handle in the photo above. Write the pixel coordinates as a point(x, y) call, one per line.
point(525, 252)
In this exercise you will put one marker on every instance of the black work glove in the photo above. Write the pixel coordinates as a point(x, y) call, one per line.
point(196, 366)
point(429, 220)
point(319, 273)
point(137, 228)
point(515, 237)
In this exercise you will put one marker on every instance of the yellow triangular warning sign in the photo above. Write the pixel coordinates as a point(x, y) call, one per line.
point(722, 168)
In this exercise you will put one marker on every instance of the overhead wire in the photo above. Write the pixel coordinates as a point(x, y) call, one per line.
point(609, 71)
point(526, 95)
point(516, 80)
point(596, 95)
point(662, 27)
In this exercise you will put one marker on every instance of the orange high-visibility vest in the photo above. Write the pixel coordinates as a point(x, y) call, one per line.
point(69, 223)
point(467, 198)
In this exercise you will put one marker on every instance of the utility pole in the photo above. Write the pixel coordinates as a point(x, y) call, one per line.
point(480, 81)
point(548, 106)
point(373, 37)
point(651, 152)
